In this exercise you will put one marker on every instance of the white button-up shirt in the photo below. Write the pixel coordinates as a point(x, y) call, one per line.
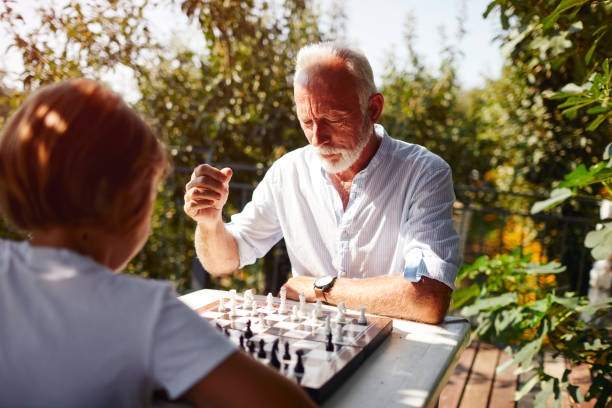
point(398, 219)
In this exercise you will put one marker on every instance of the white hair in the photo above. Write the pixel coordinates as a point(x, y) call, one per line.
point(356, 63)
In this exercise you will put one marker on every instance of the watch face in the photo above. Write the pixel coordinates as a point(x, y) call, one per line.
point(323, 281)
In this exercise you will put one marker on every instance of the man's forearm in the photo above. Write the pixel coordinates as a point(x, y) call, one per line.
point(217, 250)
point(424, 301)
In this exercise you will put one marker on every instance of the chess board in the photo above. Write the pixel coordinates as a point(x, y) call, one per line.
point(324, 370)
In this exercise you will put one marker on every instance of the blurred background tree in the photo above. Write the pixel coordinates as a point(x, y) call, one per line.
point(230, 99)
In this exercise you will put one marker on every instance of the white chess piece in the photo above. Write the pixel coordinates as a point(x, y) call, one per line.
point(302, 304)
point(270, 302)
point(342, 307)
point(340, 316)
point(221, 305)
point(294, 315)
point(338, 333)
point(262, 320)
point(314, 317)
point(232, 294)
point(233, 310)
point(253, 308)
point(247, 299)
point(318, 309)
point(327, 326)
point(282, 309)
point(362, 319)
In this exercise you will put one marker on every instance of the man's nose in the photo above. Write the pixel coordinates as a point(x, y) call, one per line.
point(319, 136)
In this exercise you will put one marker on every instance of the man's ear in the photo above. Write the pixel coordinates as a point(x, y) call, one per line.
point(375, 107)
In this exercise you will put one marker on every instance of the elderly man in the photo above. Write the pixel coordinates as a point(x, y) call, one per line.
point(367, 219)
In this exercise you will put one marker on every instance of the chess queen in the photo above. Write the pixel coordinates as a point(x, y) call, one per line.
point(79, 171)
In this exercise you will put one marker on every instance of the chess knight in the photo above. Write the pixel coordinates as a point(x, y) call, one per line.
point(366, 218)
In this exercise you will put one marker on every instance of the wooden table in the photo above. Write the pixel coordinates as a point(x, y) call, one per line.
point(409, 369)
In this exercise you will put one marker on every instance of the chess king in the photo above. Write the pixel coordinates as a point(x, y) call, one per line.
point(367, 219)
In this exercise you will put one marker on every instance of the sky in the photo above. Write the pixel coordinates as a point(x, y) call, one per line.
point(375, 26)
point(378, 27)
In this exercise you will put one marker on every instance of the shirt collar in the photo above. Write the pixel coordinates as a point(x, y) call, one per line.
point(376, 159)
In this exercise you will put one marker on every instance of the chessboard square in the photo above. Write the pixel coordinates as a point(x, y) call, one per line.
point(321, 354)
point(268, 339)
point(305, 344)
point(243, 313)
point(297, 334)
point(243, 319)
point(354, 327)
point(209, 314)
point(287, 325)
point(276, 317)
point(276, 331)
point(222, 322)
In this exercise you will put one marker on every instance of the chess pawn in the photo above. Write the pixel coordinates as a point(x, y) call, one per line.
point(327, 326)
point(232, 294)
point(294, 315)
point(221, 305)
point(233, 310)
point(362, 319)
point(338, 333)
point(247, 298)
point(342, 306)
point(262, 320)
point(314, 317)
point(282, 309)
point(340, 316)
point(302, 304)
point(253, 308)
point(318, 309)
point(270, 303)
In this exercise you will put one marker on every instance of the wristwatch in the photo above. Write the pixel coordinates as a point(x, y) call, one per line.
point(323, 285)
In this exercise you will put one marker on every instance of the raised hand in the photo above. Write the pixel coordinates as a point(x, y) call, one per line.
point(206, 194)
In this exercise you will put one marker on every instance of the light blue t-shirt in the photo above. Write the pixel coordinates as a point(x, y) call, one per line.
point(74, 334)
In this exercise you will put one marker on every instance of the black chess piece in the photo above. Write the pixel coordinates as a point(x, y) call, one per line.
point(248, 332)
point(261, 353)
point(251, 346)
point(219, 326)
point(287, 356)
point(227, 333)
point(274, 358)
point(241, 341)
point(298, 370)
point(329, 346)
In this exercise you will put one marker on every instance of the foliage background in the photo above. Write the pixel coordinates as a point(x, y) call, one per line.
point(232, 100)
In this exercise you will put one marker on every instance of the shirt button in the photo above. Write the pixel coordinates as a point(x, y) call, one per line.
point(343, 273)
point(344, 234)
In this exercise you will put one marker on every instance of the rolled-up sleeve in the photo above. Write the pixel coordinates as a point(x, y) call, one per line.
point(431, 244)
point(256, 229)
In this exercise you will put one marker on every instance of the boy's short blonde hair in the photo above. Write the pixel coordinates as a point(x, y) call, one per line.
point(75, 154)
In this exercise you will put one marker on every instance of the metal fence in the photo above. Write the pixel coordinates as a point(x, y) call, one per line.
point(488, 221)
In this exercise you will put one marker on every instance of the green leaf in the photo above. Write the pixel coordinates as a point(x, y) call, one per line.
point(593, 238)
point(542, 396)
point(528, 351)
point(596, 122)
point(461, 296)
point(557, 196)
point(526, 387)
point(563, 6)
point(489, 303)
point(599, 109)
point(607, 154)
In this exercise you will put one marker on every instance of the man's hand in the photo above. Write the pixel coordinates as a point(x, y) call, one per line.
point(206, 194)
point(301, 284)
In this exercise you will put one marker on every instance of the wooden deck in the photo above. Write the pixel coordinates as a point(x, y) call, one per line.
point(474, 383)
